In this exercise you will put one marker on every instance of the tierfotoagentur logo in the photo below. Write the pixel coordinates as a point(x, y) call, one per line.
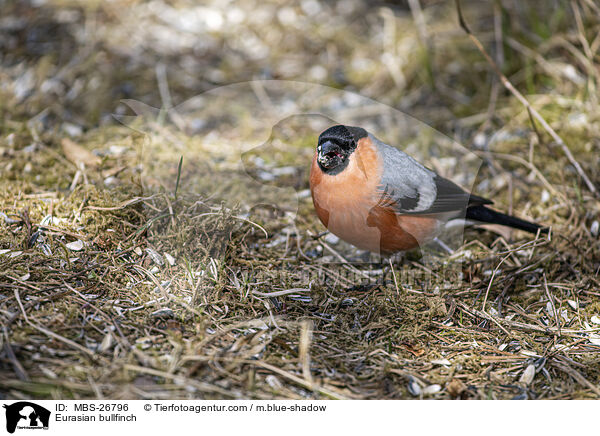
point(24, 415)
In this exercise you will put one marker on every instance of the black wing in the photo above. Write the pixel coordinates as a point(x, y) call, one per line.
point(448, 197)
point(411, 188)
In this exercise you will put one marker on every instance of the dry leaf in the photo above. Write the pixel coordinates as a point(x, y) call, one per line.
point(79, 155)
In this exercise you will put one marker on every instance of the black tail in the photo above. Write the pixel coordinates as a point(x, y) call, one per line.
point(486, 215)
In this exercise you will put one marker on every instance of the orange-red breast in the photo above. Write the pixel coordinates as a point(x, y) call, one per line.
point(380, 199)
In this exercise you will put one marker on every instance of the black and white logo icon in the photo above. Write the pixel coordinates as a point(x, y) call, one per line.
point(26, 415)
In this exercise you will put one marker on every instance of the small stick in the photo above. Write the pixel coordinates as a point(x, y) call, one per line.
point(300, 381)
point(556, 319)
point(489, 286)
point(306, 333)
point(280, 293)
point(20, 372)
point(576, 376)
point(513, 324)
point(50, 333)
point(508, 85)
point(394, 276)
point(485, 315)
point(165, 95)
point(419, 18)
point(537, 132)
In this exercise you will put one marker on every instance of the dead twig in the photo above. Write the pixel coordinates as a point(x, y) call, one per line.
point(51, 334)
point(516, 324)
point(554, 311)
point(300, 381)
point(508, 85)
point(20, 372)
point(575, 375)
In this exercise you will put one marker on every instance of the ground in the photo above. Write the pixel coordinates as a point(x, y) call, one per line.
point(175, 252)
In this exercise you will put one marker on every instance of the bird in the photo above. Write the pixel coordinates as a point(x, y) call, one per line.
point(378, 198)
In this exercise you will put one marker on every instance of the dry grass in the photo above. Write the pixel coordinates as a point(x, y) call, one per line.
point(206, 291)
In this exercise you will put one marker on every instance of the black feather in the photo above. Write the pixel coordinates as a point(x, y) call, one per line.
point(409, 203)
point(449, 198)
point(486, 215)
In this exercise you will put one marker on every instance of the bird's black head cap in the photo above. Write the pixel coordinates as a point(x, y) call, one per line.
point(345, 136)
point(335, 146)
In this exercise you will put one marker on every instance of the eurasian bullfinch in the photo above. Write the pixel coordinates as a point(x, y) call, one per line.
point(380, 199)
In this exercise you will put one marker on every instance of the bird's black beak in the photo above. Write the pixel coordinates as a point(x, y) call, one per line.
point(329, 154)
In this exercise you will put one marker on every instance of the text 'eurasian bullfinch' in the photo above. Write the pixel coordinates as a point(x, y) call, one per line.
point(380, 199)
